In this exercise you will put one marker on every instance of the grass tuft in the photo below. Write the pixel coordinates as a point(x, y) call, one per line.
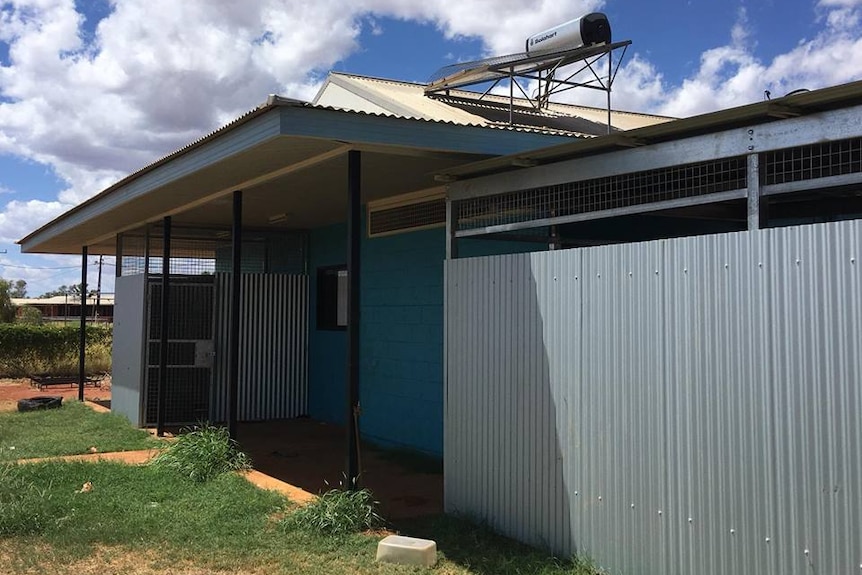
point(19, 513)
point(203, 453)
point(336, 512)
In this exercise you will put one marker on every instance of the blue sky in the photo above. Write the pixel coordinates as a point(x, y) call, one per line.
point(91, 90)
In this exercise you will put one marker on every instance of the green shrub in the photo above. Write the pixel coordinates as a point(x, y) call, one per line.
point(203, 453)
point(337, 512)
point(26, 349)
point(30, 315)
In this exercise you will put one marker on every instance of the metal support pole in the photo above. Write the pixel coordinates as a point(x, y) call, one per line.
point(147, 247)
point(511, 97)
point(451, 226)
point(163, 327)
point(82, 339)
point(753, 192)
point(118, 258)
point(236, 270)
point(610, 85)
point(354, 221)
point(99, 288)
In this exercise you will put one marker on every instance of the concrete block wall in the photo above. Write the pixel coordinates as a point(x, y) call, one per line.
point(401, 336)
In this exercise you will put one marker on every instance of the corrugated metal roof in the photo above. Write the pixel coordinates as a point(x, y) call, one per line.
point(408, 99)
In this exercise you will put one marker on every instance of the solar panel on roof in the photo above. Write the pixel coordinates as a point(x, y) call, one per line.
point(489, 69)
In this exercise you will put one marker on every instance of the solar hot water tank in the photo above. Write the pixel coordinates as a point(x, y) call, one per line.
point(587, 30)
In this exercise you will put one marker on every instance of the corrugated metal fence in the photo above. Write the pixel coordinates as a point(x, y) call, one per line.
point(686, 406)
point(273, 360)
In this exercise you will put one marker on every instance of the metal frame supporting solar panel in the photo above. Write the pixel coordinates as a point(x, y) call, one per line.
point(541, 68)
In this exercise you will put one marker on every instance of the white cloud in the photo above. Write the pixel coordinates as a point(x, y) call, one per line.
point(839, 3)
point(19, 218)
point(732, 75)
point(159, 73)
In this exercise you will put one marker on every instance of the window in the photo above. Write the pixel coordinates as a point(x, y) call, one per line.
point(332, 298)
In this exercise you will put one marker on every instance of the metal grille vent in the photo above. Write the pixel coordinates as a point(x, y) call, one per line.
point(819, 160)
point(607, 193)
point(410, 217)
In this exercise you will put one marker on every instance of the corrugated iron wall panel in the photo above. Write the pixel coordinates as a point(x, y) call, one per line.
point(673, 407)
point(273, 374)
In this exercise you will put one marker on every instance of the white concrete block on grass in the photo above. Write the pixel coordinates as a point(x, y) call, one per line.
point(407, 551)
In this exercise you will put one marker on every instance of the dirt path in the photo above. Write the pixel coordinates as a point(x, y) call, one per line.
point(11, 390)
point(141, 457)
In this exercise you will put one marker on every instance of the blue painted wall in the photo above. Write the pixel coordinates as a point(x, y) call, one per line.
point(401, 336)
point(401, 340)
point(327, 350)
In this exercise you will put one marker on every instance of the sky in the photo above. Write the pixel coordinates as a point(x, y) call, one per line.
point(91, 90)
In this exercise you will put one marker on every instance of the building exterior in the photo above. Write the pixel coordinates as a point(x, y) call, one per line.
point(290, 160)
point(677, 392)
point(539, 304)
point(68, 308)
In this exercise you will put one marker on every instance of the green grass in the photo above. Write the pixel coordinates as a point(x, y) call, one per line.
point(152, 519)
point(165, 523)
point(337, 512)
point(482, 552)
point(203, 453)
point(70, 430)
point(130, 504)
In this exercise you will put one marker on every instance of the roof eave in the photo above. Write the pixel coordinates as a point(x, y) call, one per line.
point(294, 119)
point(756, 113)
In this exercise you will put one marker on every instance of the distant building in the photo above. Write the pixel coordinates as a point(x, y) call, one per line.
point(68, 308)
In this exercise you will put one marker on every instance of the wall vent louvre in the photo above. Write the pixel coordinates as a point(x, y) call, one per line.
point(820, 160)
point(606, 193)
point(406, 213)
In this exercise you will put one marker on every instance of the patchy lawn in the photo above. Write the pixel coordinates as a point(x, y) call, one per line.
point(78, 518)
point(70, 430)
point(148, 520)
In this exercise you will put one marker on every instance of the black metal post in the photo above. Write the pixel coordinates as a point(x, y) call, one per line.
point(98, 289)
point(163, 325)
point(236, 268)
point(82, 339)
point(354, 221)
point(118, 251)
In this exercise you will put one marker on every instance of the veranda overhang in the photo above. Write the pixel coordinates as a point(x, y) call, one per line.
point(290, 160)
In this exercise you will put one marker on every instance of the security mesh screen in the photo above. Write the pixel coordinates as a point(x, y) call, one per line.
point(187, 395)
point(207, 251)
point(189, 374)
point(819, 160)
point(399, 218)
point(189, 311)
point(189, 256)
point(607, 193)
point(132, 258)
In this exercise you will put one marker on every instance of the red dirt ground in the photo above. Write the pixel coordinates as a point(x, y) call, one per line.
point(311, 455)
point(301, 452)
point(11, 390)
